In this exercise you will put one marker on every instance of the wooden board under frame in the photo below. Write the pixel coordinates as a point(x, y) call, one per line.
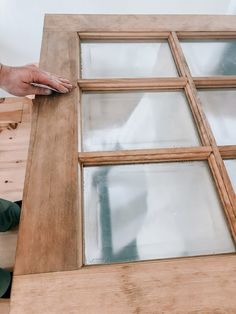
point(50, 244)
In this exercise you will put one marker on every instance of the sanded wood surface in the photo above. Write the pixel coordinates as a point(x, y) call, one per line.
point(190, 285)
point(4, 306)
point(47, 234)
point(139, 22)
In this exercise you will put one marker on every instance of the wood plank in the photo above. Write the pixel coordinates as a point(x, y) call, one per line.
point(4, 306)
point(123, 35)
point(217, 81)
point(132, 84)
point(143, 156)
point(189, 285)
point(48, 224)
point(139, 22)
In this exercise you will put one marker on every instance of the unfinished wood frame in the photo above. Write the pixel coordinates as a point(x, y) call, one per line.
point(51, 231)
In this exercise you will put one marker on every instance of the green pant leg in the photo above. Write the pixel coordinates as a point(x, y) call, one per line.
point(9, 215)
point(5, 280)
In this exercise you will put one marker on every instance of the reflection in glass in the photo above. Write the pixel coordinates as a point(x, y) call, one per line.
point(112, 59)
point(231, 169)
point(209, 58)
point(220, 109)
point(135, 120)
point(150, 211)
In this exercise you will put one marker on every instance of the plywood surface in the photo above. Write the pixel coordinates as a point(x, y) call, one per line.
point(191, 285)
point(14, 143)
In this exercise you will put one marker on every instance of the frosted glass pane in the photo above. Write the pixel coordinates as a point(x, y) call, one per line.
point(133, 120)
point(104, 59)
point(231, 169)
point(151, 211)
point(209, 58)
point(220, 109)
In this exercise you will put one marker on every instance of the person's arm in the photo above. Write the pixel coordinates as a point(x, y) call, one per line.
point(18, 81)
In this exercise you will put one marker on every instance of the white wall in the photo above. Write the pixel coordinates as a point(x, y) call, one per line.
point(21, 21)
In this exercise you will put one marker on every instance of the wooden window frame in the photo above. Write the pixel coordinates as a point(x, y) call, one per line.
point(51, 230)
point(49, 274)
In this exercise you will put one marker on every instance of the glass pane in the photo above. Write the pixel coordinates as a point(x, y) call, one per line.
point(150, 211)
point(220, 109)
point(107, 59)
point(231, 169)
point(209, 58)
point(133, 120)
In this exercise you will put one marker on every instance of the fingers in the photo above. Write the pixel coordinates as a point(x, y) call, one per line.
point(60, 84)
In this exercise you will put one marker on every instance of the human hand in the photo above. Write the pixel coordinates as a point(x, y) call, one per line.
point(17, 81)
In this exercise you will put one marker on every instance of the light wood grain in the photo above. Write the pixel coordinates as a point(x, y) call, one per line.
point(191, 285)
point(143, 156)
point(132, 84)
point(47, 234)
point(4, 306)
point(139, 23)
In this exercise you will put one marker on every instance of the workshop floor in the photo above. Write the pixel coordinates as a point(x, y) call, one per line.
point(14, 143)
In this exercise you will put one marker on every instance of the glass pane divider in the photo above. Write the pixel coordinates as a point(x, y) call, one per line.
point(122, 35)
point(215, 81)
point(144, 156)
point(207, 136)
point(206, 35)
point(223, 193)
point(228, 151)
point(176, 52)
point(132, 84)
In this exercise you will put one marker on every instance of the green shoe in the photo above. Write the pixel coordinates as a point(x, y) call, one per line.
point(9, 215)
point(5, 281)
